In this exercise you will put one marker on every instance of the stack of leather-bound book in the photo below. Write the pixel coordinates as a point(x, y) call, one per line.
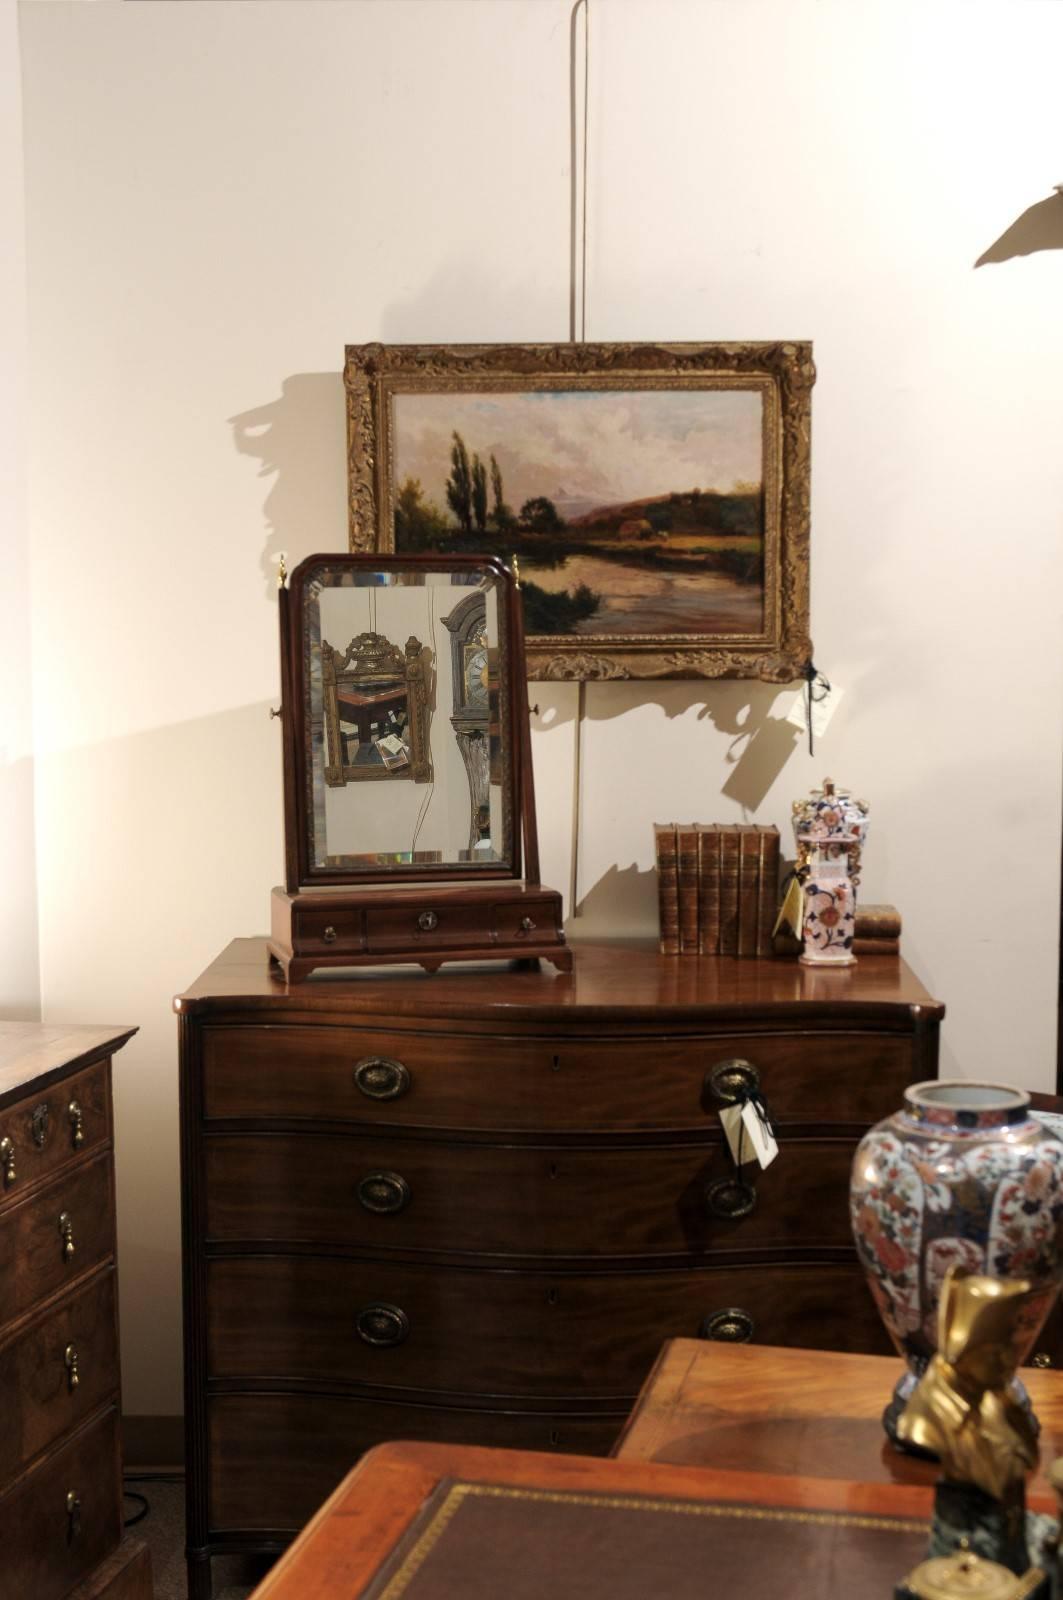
point(718, 887)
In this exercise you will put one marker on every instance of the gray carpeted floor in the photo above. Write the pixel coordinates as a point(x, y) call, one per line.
point(164, 1530)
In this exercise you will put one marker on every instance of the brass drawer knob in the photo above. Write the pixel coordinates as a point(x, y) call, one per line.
point(382, 1325)
point(730, 1198)
point(1042, 1359)
point(66, 1233)
point(527, 925)
point(7, 1161)
point(380, 1078)
point(70, 1361)
point(731, 1326)
point(73, 1516)
point(329, 935)
point(427, 921)
point(733, 1080)
point(77, 1129)
point(39, 1124)
point(384, 1192)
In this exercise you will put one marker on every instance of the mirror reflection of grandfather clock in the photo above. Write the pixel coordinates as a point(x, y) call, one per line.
point(469, 659)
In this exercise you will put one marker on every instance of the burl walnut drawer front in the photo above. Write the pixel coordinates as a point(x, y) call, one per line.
point(509, 1333)
point(348, 1192)
point(320, 1073)
point(56, 1235)
point(39, 1137)
point(275, 1458)
point(64, 1517)
point(57, 1371)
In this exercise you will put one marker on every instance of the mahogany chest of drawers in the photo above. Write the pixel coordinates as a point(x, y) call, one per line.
point(60, 1458)
point(471, 1206)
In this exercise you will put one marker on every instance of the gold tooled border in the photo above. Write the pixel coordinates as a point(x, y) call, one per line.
point(459, 1493)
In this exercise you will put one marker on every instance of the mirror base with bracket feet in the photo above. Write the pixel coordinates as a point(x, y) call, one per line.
point(427, 925)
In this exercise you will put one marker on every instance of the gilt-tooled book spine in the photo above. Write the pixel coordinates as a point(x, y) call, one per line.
point(728, 889)
point(667, 887)
point(748, 889)
point(768, 887)
point(877, 922)
point(708, 888)
point(686, 845)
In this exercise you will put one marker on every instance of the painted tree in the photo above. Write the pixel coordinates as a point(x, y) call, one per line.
point(479, 494)
point(459, 484)
point(501, 514)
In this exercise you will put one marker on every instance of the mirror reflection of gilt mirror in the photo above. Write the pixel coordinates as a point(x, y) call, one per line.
point(409, 807)
point(375, 710)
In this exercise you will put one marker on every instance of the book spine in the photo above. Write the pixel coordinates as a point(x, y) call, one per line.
point(728, 889)
point(686, 845)
point(667, 887)
point(876, 947)
point(748, 889)
point(708, 889)
point(877, 922)
point(768, 888)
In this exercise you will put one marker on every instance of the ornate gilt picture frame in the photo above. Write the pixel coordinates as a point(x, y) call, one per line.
point(656, 495)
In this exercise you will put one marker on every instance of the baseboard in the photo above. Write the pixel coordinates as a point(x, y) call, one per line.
point(153, 1443)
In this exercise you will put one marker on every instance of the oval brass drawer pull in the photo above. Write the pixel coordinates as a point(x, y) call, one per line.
point(731, 1326)
point(7, 1161)
point(382, 1324)
point(380, 1078)
point(1042, 1359)
point(733, 1080)
point(384, 1192)
point(730, 1198)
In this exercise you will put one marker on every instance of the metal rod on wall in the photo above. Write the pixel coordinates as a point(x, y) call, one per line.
point(577, 300)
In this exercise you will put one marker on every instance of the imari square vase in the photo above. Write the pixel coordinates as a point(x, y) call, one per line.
point(962, 1175)
point(830, 828)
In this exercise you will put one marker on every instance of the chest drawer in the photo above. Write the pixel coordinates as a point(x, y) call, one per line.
point(349, 1192)
point(460, 1081)
point(276, 1457)
point(57, 1372)
point(48, 1548)
point(511, 1333)
point(42, 1135)
point(51, 1238)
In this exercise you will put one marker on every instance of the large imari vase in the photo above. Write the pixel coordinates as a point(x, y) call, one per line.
point(963, 1176)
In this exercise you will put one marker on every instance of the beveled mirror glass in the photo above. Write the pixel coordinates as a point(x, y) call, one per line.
point(400, 752)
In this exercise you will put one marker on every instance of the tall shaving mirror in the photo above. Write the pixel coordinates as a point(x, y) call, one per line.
point(409, 811)
point(402, 756)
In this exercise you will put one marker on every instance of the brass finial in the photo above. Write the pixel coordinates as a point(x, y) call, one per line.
point(515, 561)
point(282, 573)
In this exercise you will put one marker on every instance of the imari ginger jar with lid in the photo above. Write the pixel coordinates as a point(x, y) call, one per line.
point(963, 1175)
point(830, 828)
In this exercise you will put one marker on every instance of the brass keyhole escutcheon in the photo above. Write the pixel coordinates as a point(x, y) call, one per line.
point(70, 1361)
point(39, 1124)
point(77, 1127)
point(66, 1233)
point(7, 1161)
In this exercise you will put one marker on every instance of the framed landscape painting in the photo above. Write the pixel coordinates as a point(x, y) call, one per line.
point(656, 496)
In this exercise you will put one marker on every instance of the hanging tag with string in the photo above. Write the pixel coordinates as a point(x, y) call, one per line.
point(814, 704)
point(749, 1130)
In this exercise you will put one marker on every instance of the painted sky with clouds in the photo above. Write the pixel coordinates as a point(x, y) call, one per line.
point(599, 446)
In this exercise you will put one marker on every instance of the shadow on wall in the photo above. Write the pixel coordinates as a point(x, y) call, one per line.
point(300, 441)
point(1039, 228)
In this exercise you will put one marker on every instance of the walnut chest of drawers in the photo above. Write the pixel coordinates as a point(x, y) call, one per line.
point(60, 1459)
point(472, 1206)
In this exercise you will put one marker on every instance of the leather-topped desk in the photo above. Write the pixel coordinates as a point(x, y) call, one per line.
point(812, 1413)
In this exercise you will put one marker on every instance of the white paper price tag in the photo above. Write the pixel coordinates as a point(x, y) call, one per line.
point(747, 1137)
point(822, 710)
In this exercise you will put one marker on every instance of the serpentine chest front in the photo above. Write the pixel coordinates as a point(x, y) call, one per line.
point(471, 1206)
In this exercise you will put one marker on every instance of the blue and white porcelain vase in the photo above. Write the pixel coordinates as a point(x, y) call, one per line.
point(963, 1175)
point(830, 828)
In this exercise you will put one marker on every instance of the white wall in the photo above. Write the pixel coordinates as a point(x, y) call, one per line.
point(19, 964)
point(219, 196)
